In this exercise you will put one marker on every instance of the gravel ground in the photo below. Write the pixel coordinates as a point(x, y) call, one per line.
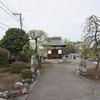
point(59, 82)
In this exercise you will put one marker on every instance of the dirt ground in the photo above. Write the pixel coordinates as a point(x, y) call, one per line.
point(91, 75)
point(7, 81)
point(90, 72)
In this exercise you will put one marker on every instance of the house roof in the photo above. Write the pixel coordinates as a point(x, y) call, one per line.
point(56, 42)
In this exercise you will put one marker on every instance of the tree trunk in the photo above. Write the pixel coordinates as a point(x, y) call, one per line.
point(39, 62)
point(36, 56)
point(96, 68)
point(16, 57)
point(97, 51)
point(10, 56)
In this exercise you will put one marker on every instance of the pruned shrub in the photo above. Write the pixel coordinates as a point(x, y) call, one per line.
point(17, 66)
point(26, 73)
point(3, 57)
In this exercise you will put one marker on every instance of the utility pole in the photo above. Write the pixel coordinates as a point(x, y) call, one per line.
point(20, 18)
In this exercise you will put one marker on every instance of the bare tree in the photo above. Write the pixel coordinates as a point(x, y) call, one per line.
point(92, 34)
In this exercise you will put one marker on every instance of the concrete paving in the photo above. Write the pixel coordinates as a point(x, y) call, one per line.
point(59, 82)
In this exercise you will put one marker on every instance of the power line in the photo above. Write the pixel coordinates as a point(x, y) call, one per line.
point(8, 13)
point(7, 8)
point(9, 4)
point(5, 25)
point(3, 28)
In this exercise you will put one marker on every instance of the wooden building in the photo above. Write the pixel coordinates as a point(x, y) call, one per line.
point(57, 51)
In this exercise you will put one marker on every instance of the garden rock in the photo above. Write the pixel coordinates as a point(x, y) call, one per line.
point(1, 93)
point(22, 81)
point(78, 72)
point(33, 77)
point(2, 99)
point(32, 69)
point(18, 85)
point(24, 90)
point(38, 72)
point(2, 87)
point(26, 85)
point(84, 69)
point(5, 95)
point(13, 94)
point(32, 80)
point(28, 80)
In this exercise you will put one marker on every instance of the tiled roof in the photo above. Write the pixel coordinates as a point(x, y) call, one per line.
point(56, 42)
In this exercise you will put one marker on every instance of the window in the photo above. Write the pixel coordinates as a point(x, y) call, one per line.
point(59, 51)
point(49, 52)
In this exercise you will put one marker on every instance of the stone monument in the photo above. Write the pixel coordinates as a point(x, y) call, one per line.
point(82, 66)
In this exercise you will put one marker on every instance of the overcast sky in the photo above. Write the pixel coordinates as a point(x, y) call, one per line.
point(63, 18)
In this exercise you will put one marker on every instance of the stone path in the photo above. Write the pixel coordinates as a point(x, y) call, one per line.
point(59, 82)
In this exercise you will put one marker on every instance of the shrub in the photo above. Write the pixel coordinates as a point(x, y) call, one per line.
point(17, 66)
point(4, 69)
point(26, 73)
point(3, 57)
point(8, 65)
